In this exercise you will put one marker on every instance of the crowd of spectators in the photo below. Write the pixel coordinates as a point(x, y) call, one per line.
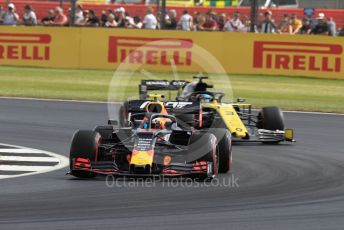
point(119, 18)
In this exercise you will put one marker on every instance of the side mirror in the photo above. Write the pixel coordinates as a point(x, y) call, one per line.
point(112, 122)
point(241, 100)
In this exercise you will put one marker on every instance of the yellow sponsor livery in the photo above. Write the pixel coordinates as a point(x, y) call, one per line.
point(229, 116)
point(142, 158)
point(220, 3)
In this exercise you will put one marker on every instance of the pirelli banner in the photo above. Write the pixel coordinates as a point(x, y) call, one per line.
point(239, 53)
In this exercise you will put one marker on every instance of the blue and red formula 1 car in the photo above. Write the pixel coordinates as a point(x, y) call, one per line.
point(153, 145)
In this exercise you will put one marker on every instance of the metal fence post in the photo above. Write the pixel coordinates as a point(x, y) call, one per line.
point(254, 14)
point(72, 12)
point(163, 14)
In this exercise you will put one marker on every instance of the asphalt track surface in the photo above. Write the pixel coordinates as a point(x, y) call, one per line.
point(288, 186)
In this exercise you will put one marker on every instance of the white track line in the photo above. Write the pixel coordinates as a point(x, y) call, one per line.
point(23, 168)
point(29, 159)
point(105, 102)
point(22, 150)
point(316, 113)
point(58, 100)
point(4, 177)
point(62, 162)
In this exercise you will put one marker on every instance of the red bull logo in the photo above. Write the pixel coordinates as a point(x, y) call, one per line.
point(151, 51)
point(18, 46)
point(298, 56)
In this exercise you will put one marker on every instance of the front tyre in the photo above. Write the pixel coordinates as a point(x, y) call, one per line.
point(271, 118)
point(206, 143)
point(84, 145)
point(224, 146)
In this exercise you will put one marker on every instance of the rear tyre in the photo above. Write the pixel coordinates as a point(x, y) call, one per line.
point(105, 131)
point(271, 118)
point(205, 143)
point(123, 115)
point(85, 145)
point(224, 146)
point(120, 115)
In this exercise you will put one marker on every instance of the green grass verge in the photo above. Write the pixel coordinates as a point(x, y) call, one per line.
point(291, 93)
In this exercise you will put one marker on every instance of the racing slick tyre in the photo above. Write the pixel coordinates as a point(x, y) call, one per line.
point(85, 145)
point(224, 146)
point(105, 131)
point(271, 118)
point(123, 115)
point(206, 144)
point(120, 118)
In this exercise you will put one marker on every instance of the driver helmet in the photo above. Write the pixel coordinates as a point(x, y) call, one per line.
point(156, 124)
point(160, 122)
point(206, 97)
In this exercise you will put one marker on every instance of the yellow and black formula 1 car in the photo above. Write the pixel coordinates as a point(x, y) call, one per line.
point(265, 126)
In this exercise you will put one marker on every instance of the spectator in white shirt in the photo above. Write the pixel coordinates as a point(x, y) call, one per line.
point(228, 26)
point(149, 21)
point(234, 24)
point(79, 15)
point(29, 17)
point(247, 25)
point(111, 22)
point(185, 21)
point(11, 17)
point(135, 23)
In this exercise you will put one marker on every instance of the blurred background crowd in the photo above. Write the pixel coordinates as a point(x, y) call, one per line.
point(319, 24)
